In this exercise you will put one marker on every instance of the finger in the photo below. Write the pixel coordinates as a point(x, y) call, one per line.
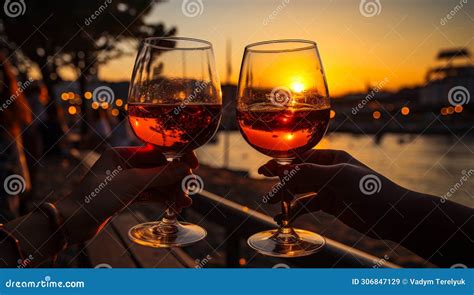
point(169, 195)
point(304, 178)
point(139, 157)
point(176, 198)
point(328, 157)
point(323, 157)
point(163, 176)
point(301, 206)
point(271, 168)
point(191, 159)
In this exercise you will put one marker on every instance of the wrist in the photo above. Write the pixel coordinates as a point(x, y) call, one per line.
point(75, 217)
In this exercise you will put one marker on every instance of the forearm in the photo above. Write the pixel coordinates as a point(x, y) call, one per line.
point(440, 232)
point(36, 240)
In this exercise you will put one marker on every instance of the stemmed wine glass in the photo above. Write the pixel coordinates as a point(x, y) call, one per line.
point(175, 104)
point(283, 110)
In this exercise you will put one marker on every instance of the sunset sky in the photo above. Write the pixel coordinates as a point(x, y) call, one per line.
point(400, 43)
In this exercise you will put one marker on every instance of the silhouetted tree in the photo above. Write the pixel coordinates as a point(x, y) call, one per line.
point(81, 34)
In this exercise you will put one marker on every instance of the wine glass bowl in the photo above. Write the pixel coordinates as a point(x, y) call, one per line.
point(283, 110)
point(174, 104)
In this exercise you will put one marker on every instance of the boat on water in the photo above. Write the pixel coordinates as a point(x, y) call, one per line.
point(455, 69)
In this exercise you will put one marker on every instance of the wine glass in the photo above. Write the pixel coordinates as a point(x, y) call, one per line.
point(283, 110)
point(174, 104)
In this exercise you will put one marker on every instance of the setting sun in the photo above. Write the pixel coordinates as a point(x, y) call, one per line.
point(297, 87)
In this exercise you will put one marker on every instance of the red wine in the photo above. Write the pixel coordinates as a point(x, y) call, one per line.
point(174, 128)
point(283, 132)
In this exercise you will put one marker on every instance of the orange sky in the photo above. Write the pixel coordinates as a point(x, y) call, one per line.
point(399, 43)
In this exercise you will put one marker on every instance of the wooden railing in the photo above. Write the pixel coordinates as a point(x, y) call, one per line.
point(241, 222)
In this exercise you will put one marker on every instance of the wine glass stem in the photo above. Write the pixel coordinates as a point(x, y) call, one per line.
point(170, 216)
point(285, 200)
point(285, 211)
point(169, 220)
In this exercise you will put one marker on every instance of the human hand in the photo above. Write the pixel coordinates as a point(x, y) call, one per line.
point(344, 187)
point(121, 176)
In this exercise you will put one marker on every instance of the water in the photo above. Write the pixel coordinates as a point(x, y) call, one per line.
point(431, 164)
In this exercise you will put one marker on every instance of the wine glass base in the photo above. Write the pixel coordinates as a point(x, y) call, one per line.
point(149, 234)
point(306, 243)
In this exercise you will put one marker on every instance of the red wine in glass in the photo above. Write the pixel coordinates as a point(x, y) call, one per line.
point(174, 128)
point(174, 103)
point(283, 110)
point(285, 132)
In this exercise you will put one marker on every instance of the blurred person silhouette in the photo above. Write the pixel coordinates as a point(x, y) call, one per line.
point(437, 229)
point(15, 115)
point(131, 174)
point(33, 134)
